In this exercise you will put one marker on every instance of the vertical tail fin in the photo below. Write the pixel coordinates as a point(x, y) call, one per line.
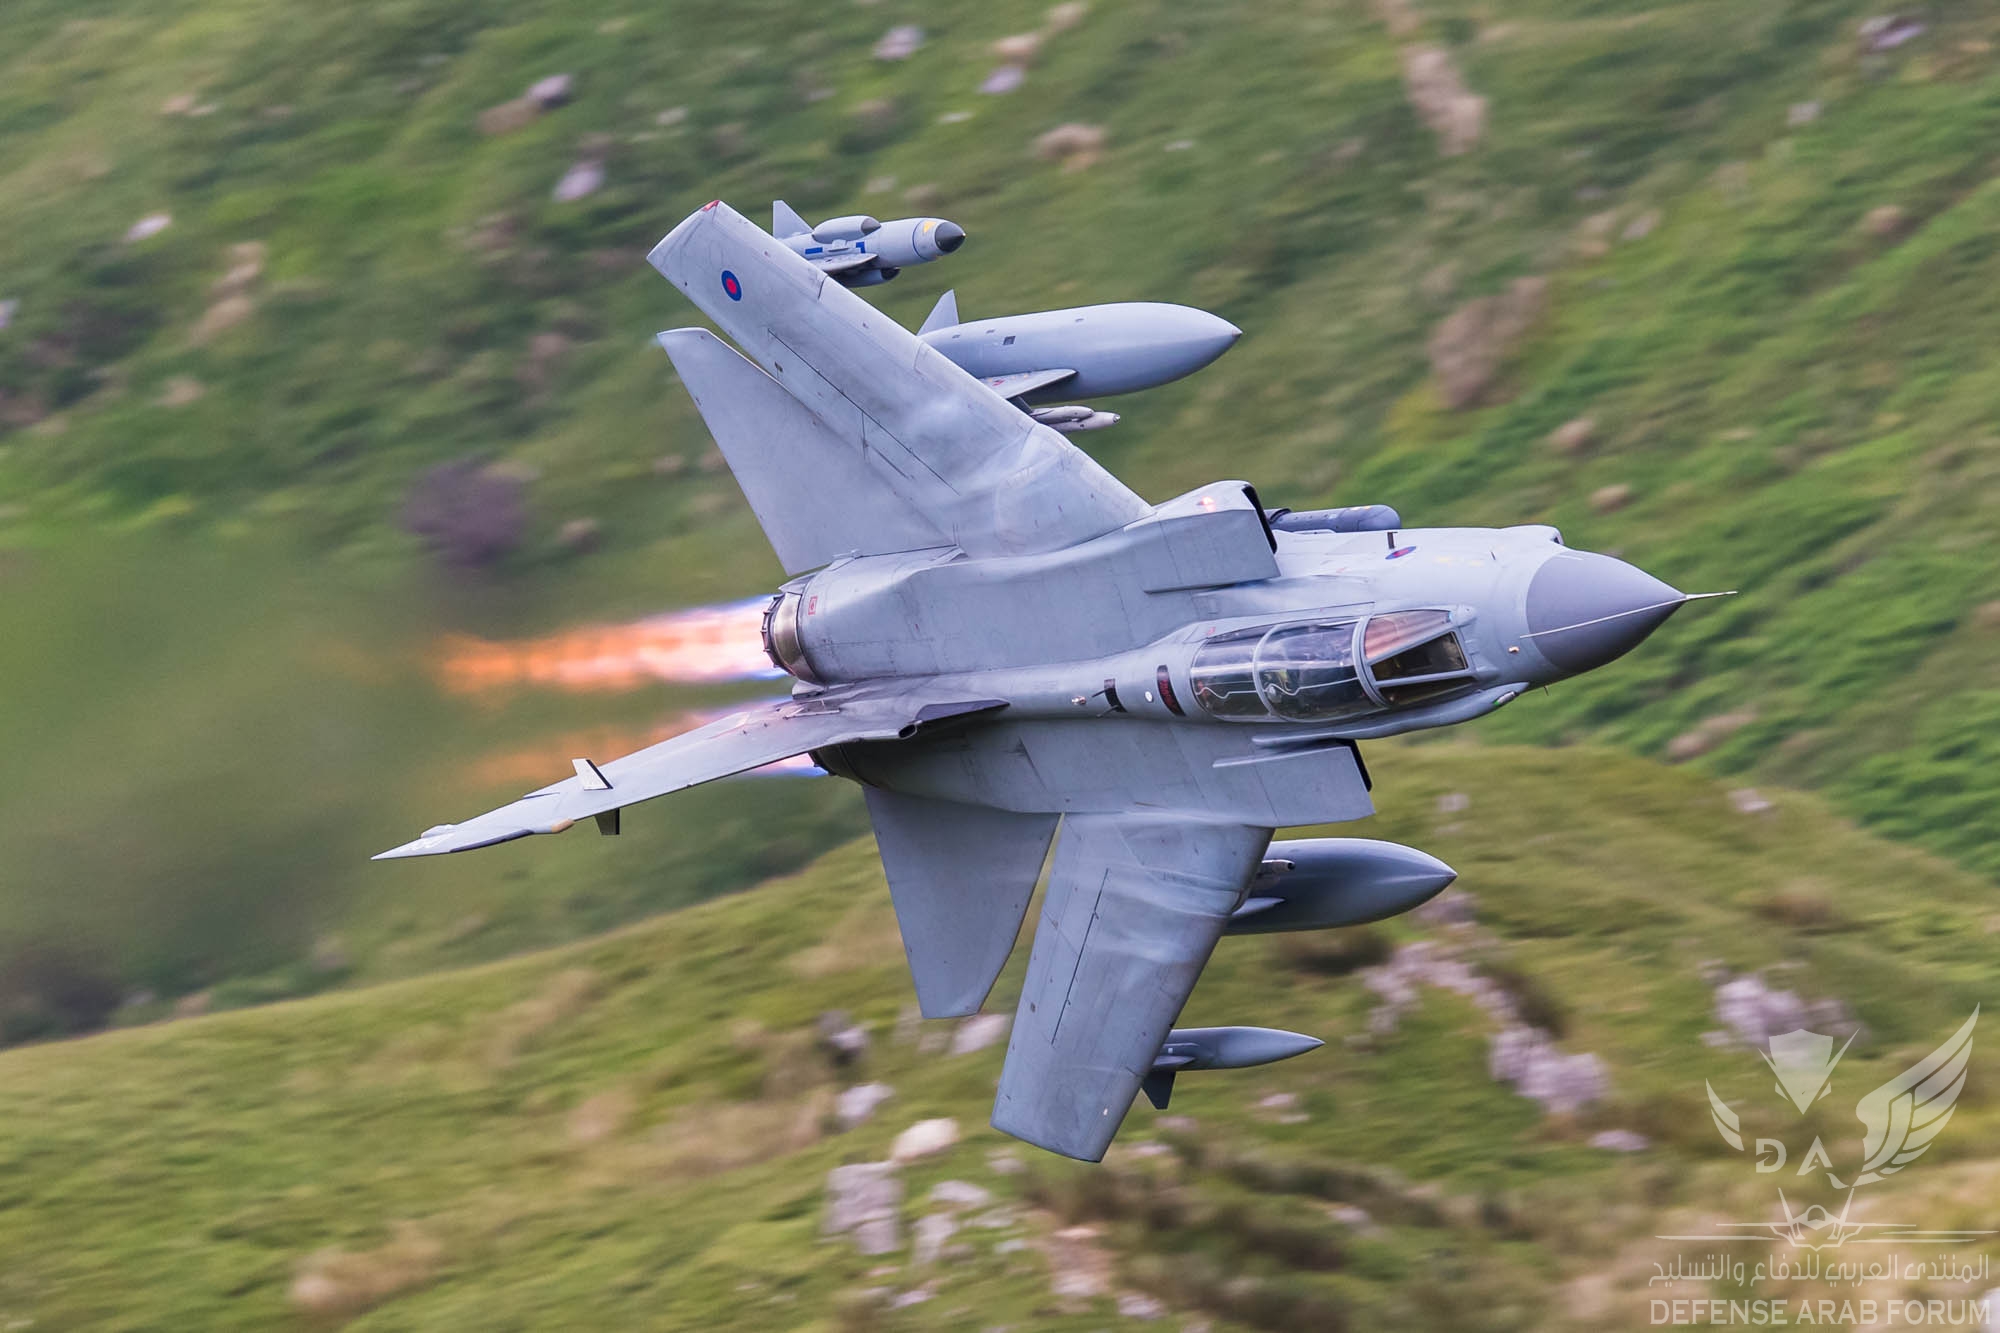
point(784, 222)
point(943, 315)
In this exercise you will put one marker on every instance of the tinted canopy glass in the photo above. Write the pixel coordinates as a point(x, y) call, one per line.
point(1224, 674)
point(1414, 655)
point(1307, 672)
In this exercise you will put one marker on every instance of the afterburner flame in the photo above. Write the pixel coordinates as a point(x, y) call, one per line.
point(704, 643)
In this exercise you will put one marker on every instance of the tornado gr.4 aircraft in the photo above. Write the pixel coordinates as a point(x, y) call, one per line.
point(1007, 648)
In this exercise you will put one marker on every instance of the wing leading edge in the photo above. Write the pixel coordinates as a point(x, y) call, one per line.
point(759, 735)
point(1134, 907)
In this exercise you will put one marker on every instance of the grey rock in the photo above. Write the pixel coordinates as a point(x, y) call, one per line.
point(1137, 1305)
point(1005, 79)
point(862, 1199)
point(978, 1032)
point(900, 42)
point(844, 1040)
point(1747, 801)
point(150, 225)
point(1620, 1140)
point(552, 92)
point(930, 1234)
point(580, 181)
point(960, 1194)
point(923, 1139)
point(856, 1104)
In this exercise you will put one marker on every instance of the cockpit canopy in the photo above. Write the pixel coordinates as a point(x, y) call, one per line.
point(1323, 670)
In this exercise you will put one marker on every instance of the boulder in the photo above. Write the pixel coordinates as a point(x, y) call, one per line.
point(900, 42)
point(582, 180)
point(1005, 79)
point(1063, 17)
point(1076, 146)
point(551, 92)
point(960, 1194)
point(1610, 499)
point(862, 1199)
point(931, 1233)
point(1747, 801)
point(1438, 93)
point(1639, 228)
point(856, 1104)
point(507, 117)
point(923, 1139)
point(1019, 49)
point(1574, 436)
point(150, 225)
point(579, 535)
point(1884, 221)
point(844, 1040)
point(1468, 346)
point(978, 1032)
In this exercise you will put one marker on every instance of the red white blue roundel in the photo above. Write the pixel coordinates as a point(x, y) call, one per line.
point(731, 285)
point(1399, 553)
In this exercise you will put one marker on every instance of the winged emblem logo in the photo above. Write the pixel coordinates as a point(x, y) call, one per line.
point(1899, 1120)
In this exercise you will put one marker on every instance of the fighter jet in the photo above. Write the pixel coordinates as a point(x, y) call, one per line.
point(1007, 648)
point(1092, 351)
point(858, 251)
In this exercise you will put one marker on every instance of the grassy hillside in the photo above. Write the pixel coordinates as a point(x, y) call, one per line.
point(1768, 286)
point(636, 1130)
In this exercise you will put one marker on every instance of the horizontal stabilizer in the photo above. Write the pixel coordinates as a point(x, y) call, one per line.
point(960, 877)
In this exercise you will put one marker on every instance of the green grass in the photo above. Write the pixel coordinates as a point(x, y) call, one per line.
point(187, 1174)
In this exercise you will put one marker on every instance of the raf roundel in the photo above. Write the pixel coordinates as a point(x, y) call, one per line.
point(731, 285)
point(1399, 553)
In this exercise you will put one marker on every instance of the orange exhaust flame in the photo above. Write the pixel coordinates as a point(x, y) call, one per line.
point(707, 643)
point(539, 765)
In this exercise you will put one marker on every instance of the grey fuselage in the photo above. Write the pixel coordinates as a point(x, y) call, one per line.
point(1247, 648)
point(1114, 349)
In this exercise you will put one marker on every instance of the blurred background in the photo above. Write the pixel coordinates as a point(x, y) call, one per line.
point(342, 492)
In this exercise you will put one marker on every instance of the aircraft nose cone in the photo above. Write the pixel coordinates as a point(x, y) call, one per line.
point(1585, 610)
point(949, 236)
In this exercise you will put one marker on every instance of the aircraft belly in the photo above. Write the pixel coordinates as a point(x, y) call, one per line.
point(1121, 764)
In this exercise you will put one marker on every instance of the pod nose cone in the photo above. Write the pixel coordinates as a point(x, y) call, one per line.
point(949, 236)
point(1200, 336)
point(1585, 610)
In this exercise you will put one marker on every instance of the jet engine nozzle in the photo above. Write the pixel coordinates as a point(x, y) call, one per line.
point(1585, 609)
